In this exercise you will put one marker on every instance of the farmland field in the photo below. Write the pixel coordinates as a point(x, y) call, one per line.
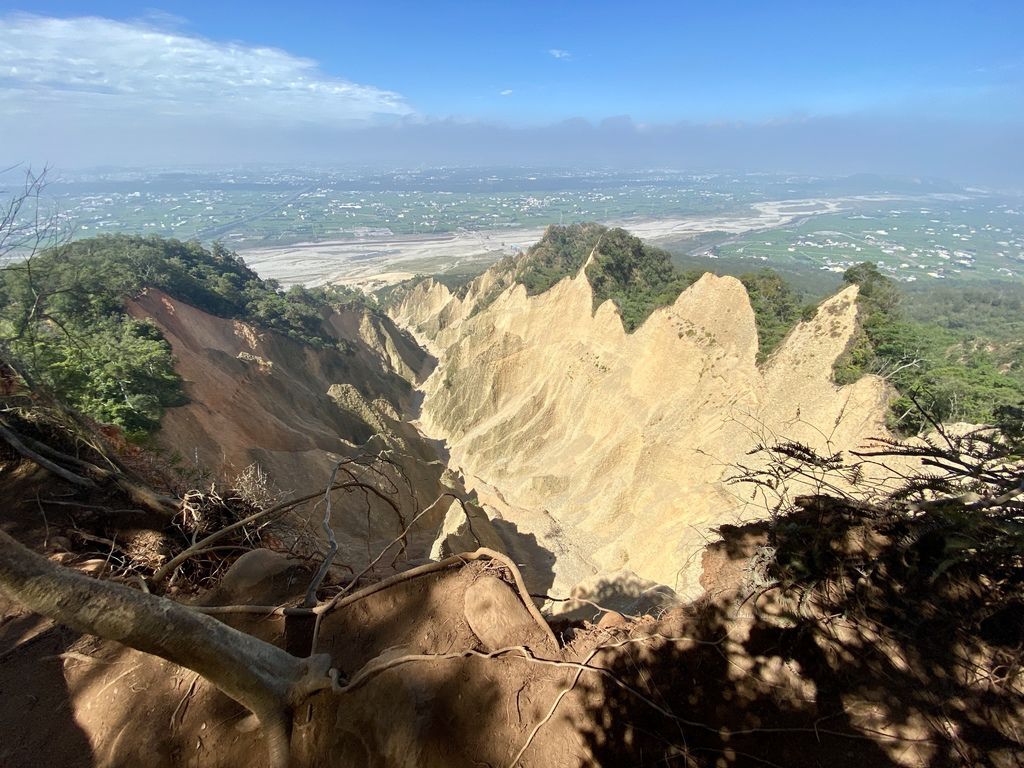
point(945, 238)
point(321, 225)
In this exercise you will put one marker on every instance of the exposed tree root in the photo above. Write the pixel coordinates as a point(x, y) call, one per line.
point(376, 667)
point(258, 675)
point(56, 462)
point(550, 713)
point(16, 442)
point(341, 600)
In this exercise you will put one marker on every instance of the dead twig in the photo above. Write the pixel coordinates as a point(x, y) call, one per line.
point(162, 573)
point(332, 544)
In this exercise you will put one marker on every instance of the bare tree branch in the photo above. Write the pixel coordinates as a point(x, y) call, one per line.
point(70, 477)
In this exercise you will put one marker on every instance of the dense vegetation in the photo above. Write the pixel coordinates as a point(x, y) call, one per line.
point(561, 252)
point(954, 372)
point(639, 278)
point(989, 315)
point(62, 317)
point(777, 305)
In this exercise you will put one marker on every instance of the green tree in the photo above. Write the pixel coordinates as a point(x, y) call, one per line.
point(63, 316)
point(929, 365)
point(777, 308)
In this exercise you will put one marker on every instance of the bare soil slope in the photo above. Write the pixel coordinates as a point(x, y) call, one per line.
point(257, 397)
point(867, 651)
point(721, 683)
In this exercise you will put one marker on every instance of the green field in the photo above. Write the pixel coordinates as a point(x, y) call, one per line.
point(284, 208)
point(913, 231)
point(972, 239)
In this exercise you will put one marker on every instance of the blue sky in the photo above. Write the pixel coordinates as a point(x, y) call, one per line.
point(316, 69)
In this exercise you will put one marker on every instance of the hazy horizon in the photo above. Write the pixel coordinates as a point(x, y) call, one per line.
point(924, 90)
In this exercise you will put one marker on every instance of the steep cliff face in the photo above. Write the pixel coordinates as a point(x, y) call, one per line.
point(259, 397)
point(614, 448)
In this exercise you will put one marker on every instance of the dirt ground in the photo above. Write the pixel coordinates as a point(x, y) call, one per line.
point(721, 682)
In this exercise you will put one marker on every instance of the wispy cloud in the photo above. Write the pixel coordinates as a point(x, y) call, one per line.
point(506, 92)
point(558, 53)
point(96, 65)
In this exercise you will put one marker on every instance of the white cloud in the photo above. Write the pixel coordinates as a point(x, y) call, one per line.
point(96, 68)
point(558, 53)
point(506, 92)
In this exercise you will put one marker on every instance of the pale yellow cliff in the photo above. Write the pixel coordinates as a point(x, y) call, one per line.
point(614, 448)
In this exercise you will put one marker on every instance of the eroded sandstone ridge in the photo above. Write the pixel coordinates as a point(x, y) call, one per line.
point(613, 449)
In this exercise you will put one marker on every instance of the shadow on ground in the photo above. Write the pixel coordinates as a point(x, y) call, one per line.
point(867, 664)
point(536, 562)
point(36, 718)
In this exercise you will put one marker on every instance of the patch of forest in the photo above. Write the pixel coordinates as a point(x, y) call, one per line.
point(63, 319)
point(640, 278)
point(956, 353)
